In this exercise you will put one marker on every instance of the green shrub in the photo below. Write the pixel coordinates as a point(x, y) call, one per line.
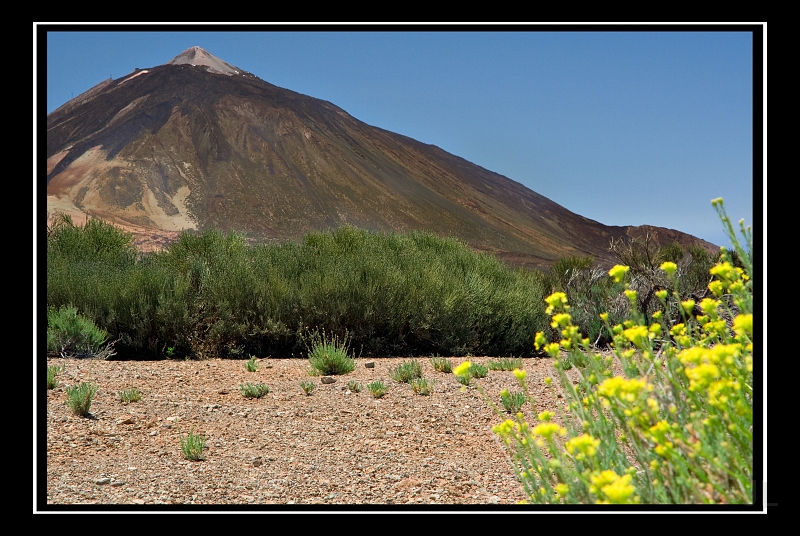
point(72, 334)
point(677, 426)
point(79, 398)
point(127, 396)
point(253, 390)
point(52, 375)
point(212, 295)
point(329, 356)
point(421, 386)
point(307, 387)
point(442, 364)
point(512, 402)
point(354, 386)
point(509, 363)
point(377, 388)
point(478, 371)
point(406, 371)
point(250, 365)
point(192, 446)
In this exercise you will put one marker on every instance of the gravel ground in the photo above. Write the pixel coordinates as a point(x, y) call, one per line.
point(286, 449)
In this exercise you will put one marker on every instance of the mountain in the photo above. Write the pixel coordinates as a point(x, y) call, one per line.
point(198, 143)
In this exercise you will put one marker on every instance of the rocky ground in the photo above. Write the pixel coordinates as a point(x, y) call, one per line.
point(286, 449)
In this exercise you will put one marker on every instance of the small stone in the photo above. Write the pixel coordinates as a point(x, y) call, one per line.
point(327, 379)
point(103, 481)
point(370, 364)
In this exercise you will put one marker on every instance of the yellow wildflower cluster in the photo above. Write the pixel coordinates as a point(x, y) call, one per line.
point(622, 388)
point(618, 272)
point(556, 301)
point(547, 429)
point(612, 488)
point(582, 446)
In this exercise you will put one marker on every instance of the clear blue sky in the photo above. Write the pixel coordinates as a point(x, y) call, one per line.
point(625, 128)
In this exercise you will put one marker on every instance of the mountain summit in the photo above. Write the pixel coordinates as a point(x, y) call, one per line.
point(196, 56)
point(178, 146)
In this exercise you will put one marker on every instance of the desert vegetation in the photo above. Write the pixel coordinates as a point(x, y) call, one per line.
point(212, 294)
point(675, 427)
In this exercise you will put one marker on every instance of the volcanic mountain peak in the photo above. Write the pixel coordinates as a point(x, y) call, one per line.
point(198, 56)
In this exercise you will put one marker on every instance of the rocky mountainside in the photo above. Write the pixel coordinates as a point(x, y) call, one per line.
point(198, 143)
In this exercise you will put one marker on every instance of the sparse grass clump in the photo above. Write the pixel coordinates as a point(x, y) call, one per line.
point(253, 390)
point(512, 402)
point(127, 396)
point(478, 371)
point(192, 446)
point(354, 386)
point(421, 386)
point(406, 371)
point(307, 387)
point(505, 363)
point(250, 365)
point(329, 356)
point(79, 398)
point(377, 388)
point(442, 364)
point(52, 375)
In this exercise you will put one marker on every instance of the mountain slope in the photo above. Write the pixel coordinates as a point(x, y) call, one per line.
point(198, 143)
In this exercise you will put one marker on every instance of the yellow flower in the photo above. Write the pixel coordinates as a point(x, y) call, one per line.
point(618, 386)
point(669, 267)
point(562, 489)
point(540, 340)
point(462, 369)
point(604, 317)
point(557, 300)
point(619, 491)
point(716, 288)
point(545, 416)
point(709, 306)
point(520, 374)
point(631, 294)
point(561, 319)
point(584, 444)
point(546, 430)
point(552, 349)
point(743, 325)
point(637, 335)
point(618, 272)
point(662, 295)
point(688, 306)
point(548, 380)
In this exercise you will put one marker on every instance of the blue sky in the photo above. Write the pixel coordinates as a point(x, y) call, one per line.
point(624, 127)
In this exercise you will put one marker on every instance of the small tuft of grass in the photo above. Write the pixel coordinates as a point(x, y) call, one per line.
point(329, 356)
point(421, 386)
point(505, 363)
point(79, 398)
point(406, 371)
point(192, 446)
point(377, 388)
point(250, 365)
point(52, 375)
point(512, 402)
point(354, 386)
point(442, 364)
point(253, 390)
point(307, 387)
point(127, 396)
point(478, 371)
